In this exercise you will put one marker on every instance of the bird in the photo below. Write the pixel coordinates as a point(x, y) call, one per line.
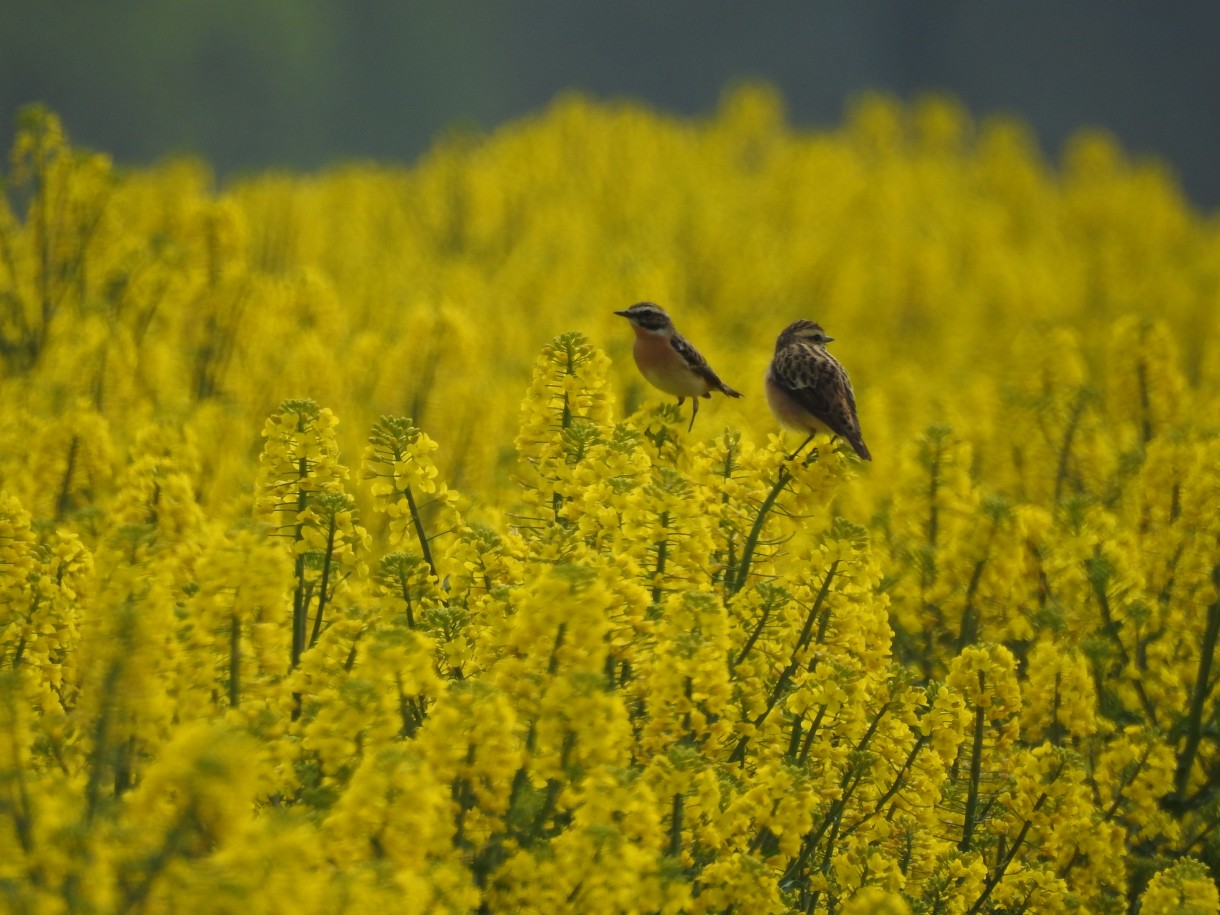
point(807, 388)
point(667, 360)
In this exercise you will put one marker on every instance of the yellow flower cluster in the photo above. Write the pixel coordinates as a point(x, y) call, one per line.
point(545, 650)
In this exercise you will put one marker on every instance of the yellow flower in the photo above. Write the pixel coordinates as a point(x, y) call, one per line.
point(1185, 888)
point(560, 651)
point(873, 900)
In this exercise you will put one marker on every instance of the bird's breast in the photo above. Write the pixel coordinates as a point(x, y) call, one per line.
point(664, 368)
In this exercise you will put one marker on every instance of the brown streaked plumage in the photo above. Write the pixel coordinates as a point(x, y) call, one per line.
point(667, 360)
point(808, 390)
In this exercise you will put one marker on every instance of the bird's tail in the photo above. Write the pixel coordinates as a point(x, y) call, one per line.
point(726, 389)
point(857, 444)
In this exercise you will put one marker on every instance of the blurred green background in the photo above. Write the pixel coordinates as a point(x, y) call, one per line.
point(251, 84)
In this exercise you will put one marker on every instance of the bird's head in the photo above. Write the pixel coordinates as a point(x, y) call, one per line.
point(802, 331)
point(647, 316)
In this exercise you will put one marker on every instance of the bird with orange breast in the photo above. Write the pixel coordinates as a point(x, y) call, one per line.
point(809, 391)
point(667, 360)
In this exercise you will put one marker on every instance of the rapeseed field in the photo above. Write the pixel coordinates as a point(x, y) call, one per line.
point(348, 564)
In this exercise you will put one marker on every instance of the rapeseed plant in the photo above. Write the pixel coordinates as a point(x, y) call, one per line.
point(556, 652)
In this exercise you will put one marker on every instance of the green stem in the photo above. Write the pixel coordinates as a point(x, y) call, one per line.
point(327, 561)
point(814, 727)
point(1098, 576)
point(994, 880)
point(234, 661)
point(101, 741)
point(801, 447)
point(1199, 694)
point(410, 719)
point(749, 645)
point(1065, 451)
point(298, 595)
point(137, 897)
point(976, 773)
point(893, 788)
point(782, 683)
point(420, 535)
point(747, 554)
point(968, 634)
point(929, 570)
point(552, 665)
point(1145, 403)
point(64, 500)
point(675, 826)
point(662, 549)
point(406, 596)
point(20, 813)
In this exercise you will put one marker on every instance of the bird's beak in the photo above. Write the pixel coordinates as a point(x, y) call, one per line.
point(830, 339)
point(622, 314)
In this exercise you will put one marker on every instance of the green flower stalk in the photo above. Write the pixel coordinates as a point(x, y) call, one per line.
point(299, 491)
point(398, 461)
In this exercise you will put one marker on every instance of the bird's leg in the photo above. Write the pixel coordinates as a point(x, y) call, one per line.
point(793, 455)
point(695, 402)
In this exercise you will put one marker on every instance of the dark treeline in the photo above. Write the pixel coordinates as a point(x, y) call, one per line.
point(300, 83)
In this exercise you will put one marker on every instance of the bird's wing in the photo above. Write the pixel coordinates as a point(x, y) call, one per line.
point(698, 364)
point(819, 384)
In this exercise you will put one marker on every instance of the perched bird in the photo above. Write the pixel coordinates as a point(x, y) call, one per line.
point(667, 360)
point(808, 390)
